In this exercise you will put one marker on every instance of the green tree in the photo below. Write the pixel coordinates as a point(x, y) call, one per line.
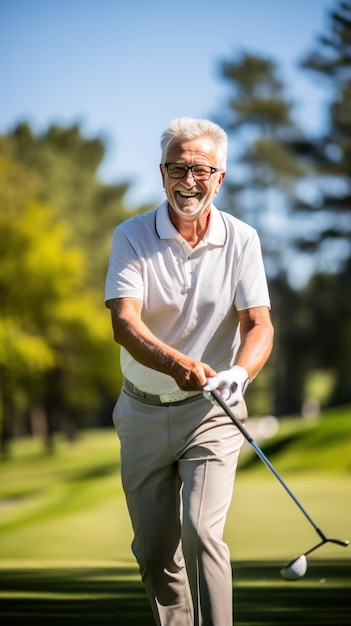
point(327, 298)
point(38, 272)
point(307, 183)
point(59, 366)
point(67, 164)
point(259, 121)
point(327, 210)
point(323, 205)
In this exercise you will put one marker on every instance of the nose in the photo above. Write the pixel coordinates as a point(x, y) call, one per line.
point(189, 178)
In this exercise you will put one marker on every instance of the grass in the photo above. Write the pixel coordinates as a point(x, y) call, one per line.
point(103, 594)
point(65, 535)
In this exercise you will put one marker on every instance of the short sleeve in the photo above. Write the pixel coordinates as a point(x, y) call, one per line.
point(252, 288)
point(124, 276)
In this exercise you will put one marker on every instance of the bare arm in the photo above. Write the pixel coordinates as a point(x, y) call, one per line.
point(256, 333)
point(131, 333)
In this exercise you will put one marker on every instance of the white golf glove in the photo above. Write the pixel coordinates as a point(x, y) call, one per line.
point(230, 385)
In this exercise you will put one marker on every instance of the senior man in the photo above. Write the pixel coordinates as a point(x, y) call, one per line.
point(190, 308)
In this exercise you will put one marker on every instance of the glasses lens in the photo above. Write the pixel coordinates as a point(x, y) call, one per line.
point(179, 170)
point(176, 170)
point(201, 172)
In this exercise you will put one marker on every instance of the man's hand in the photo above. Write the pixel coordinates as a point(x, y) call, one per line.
point(230, 384)
point(189, 374)
point(131, 332)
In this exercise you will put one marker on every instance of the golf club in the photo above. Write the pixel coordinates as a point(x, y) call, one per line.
point(297, 567)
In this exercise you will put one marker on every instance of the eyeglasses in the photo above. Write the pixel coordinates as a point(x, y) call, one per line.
point(180, 170)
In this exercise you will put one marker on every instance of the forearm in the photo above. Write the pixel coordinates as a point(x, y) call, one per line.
point(144, 347)
point(131, 332)
point(256, 344)
point(256, 340)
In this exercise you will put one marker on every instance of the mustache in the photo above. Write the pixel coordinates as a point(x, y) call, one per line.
point(194, 189)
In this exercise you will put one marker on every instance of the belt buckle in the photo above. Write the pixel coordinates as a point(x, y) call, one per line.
point(166, 398)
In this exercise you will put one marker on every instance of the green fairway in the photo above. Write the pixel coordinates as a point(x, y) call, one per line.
point(65, 534)
point(112, 594)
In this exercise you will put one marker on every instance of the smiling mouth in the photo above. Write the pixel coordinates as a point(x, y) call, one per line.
point(188, 194)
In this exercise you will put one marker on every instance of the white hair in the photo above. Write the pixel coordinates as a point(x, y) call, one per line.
point(190, 128)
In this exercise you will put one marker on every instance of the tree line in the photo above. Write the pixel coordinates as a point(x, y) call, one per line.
point(59, 367)
point(296, 190)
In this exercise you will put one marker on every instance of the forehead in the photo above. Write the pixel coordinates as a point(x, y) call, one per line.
point(202, 150)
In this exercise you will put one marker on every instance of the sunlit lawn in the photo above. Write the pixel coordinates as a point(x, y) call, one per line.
point(65, 535)
point(103, 593)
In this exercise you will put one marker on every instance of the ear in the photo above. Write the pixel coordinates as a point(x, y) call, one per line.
point(220, 181)
point(162, 170)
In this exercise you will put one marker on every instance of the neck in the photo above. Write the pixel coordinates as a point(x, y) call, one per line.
point(192, 230)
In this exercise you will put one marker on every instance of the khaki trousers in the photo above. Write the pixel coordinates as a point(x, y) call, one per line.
point(178, 464)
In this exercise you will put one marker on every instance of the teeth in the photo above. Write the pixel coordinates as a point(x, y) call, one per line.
point(188, 194)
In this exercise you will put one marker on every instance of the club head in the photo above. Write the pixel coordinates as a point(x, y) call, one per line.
point(294, 569)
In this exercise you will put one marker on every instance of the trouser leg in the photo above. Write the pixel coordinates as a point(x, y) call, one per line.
point(207, 471)
point(152, 487)
point(206, 490)
point(154, 512)
point(163, 448)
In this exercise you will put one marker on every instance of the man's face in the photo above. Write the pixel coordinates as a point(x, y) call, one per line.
point(186, 196)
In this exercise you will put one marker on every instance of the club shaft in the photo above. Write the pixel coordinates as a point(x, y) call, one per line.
point(266, 461)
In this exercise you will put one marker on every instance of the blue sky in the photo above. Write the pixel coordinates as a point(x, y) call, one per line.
point(124, 68)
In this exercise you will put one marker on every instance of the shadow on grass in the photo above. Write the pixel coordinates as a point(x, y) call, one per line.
point(321, 598)
point(114, 595)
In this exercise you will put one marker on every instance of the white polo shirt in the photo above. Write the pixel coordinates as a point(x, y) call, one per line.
point(190, 295)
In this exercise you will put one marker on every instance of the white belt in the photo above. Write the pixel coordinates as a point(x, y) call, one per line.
point(163, 398)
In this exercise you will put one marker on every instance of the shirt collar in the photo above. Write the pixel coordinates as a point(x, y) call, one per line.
point(215, 235)
point(164, 226)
